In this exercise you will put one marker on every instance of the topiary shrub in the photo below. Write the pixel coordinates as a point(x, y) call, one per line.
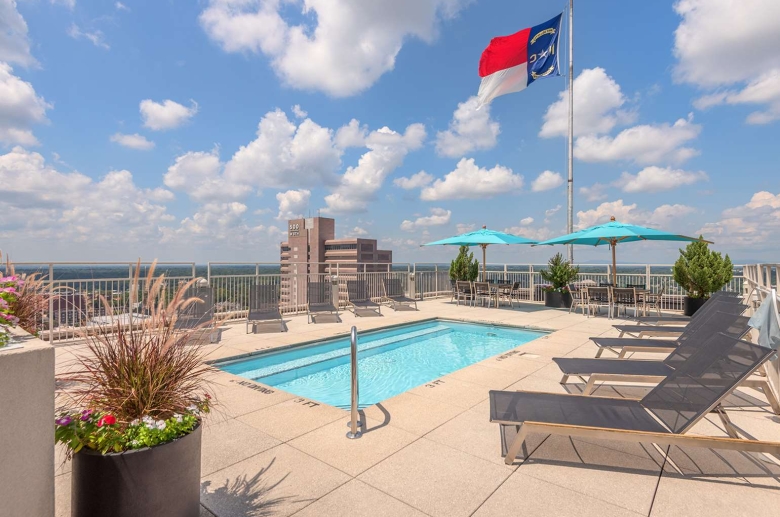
point(559, 273)
point(465, 266)
point(701, 271)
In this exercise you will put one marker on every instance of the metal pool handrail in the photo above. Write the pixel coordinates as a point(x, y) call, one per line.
point(354, 423)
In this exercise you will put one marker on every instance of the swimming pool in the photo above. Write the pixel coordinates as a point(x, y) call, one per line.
point(390, 361)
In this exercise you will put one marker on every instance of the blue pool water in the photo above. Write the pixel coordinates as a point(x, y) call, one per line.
point(390, 361)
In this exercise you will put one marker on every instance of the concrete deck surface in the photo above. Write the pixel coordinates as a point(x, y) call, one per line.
point(432, 451)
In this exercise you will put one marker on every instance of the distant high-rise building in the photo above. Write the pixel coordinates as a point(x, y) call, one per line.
point(312, 248)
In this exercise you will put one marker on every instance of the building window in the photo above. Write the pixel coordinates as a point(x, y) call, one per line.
point(366, 247)
point(331, 247)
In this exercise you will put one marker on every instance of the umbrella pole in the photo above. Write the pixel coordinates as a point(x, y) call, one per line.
point(484, 253)
point(614, 264)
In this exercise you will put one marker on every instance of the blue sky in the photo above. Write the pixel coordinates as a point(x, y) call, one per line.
point(191, 130)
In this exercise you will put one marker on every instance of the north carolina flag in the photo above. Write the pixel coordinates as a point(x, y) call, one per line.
point(510, 63)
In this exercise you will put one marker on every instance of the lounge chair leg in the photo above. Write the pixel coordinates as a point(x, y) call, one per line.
point(590, 385)
point(769, 394)
point(599, 352)
point(668, 459)
point(564, 379)
point(622, 354)
point(519, 443)
point(724, 418)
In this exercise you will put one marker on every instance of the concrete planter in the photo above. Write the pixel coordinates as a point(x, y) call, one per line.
point(557, 300)
point(691, 305)
point(162, 480)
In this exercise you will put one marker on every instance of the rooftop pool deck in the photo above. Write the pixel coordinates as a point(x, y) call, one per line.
point(431, 449)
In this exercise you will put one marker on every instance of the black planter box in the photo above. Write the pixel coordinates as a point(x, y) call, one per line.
point(691, 305)
point(557, 300)
point(162, 480)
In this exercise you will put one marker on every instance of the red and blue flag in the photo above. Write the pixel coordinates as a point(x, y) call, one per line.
point(510, 63)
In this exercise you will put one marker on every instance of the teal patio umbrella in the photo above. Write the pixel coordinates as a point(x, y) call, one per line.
point(612, 233)
point(482, 238)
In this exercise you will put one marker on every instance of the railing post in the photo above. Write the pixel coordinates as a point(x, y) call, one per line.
point(435, 279)
point(647, 277)
point(208, 273)
point(354, 423)
point(194, 271)
point(532, 291)
point(51, 303)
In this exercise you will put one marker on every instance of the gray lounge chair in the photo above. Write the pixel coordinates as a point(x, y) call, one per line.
point(395, 297)
point(624, 345)
point(320, 301)
point(198, 317)
point(679, 319)
point(264, 307)
point(359, 300)
point(662, 417)
point(648, 371)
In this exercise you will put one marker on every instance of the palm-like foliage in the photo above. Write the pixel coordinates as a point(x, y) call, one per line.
point(701, 271)
point(464, 266)
point(144, 367)
point(559, 272)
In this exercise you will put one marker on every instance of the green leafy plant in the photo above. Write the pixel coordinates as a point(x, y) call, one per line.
point(559, 273)
point(465, 266)
point(136, 374)
point(701, 271)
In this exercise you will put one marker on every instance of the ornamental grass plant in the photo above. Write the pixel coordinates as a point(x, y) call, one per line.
point(141, 381)
point(31, 299)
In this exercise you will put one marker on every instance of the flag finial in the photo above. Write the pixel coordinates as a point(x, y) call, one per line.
point(484, 227)
point(612, 218)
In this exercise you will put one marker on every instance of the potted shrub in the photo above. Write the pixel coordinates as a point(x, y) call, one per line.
point(132, 422)
point(465, 266)
point(701, 272)
point(559, 274)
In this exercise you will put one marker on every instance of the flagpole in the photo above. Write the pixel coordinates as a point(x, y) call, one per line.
point(570, 214)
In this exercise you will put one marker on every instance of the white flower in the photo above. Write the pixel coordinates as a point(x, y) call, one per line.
point(134, 422)
point(177, 417)
point(148, 420)
point(161, 424)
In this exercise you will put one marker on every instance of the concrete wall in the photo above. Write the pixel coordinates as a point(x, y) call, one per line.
point(27, 430)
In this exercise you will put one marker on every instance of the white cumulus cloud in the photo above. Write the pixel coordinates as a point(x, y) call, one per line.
point(438, 217)
point(468, 181)
point(659, 217)
point(159, 116)
point(471, 129)
point(644, 144)
point(418, 180)
point(745, 34)
point(14, 41)
point(292, 204)
point(134, 141)
point(386, 152)
point(658, 179)
point(44, 204)
point(752, 227)
point(286, 155)
point(596, 192)
point(198, 174)
point(340, 47)
point(598, 100)
point(20, 108)
point(547, 180)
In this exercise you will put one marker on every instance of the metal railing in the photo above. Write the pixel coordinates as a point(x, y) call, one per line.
point(76, 289)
